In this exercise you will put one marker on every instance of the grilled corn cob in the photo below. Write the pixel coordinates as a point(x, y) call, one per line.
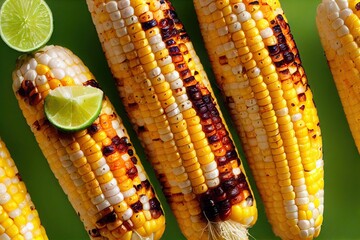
point(19, 219)
point(98, 167)
point(338, 26)
point(259, 72)
point(171, 104)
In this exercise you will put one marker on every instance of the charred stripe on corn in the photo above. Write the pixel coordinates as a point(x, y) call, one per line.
point(19, 218)
point(170, 102)
point(258, 69)
point(338, 24)
point(98, 167)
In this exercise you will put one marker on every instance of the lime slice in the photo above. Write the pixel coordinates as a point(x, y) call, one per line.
point(72, 108)
point(25, 25)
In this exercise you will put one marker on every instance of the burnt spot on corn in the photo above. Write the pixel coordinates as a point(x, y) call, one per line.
point(357, 6)
point(94, 232)
point(29, 91)
point(106, 219)
point(92, 83)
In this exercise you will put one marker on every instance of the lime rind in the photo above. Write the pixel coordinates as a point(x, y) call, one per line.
point(25, 25)
point(72, 108)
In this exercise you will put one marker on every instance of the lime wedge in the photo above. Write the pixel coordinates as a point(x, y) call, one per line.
point(25, 25)
point(72, 108)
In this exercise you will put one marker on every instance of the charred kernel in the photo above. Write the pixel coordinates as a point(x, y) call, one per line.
point(221, 160)
point(146, 184)
point(136, 207)
point(134, 160)
point(108, 218)
point(132, 172)
point(170, 42)
point(149, 24)
point(166, 23)
point(108, 150)
point(130, 152)
point(231, 155)
point(116, 140)
point(92, 83)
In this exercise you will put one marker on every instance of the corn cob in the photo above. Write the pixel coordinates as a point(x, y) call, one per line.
point(98, 167)
point(338, 24)
point(170, 102)
point(19, 219)
point(259, 72)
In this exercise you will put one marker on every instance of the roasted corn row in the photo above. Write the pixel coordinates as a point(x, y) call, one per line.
point(259, 71)
point(171, 104)
point(98, 167)
point(338, 26)
point(19, 219)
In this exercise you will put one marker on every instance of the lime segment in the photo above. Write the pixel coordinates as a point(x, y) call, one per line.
point(25, 25)
point(72, 108)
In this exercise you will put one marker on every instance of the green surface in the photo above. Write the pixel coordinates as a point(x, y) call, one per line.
point(73, 29)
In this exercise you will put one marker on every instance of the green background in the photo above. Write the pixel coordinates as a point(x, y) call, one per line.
point(73, 29)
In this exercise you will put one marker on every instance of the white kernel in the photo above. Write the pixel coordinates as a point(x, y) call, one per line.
point(127, 214)
point(120, 32)
point(142, 177)
point(209, 167)
point(56, 63)
point(244, 16)
point(144, 199)
point(185, 184)
point(302, 201)
point(128, 47)
point(337, 23)
point(236, 171)
point(43, 59)
point(146, 206)
point(129, 193)
point(234, 27)
point(111, 6)
point(118, 24)
point(342, 4)
point(155, 39)
point(185, 105)
point(222, 31)
point(123, 4)
point(2, 188)
point(131, 20)
point(58, 73)
point(266, 33)
point(291, 208)
point(154, 72)
point(109, 185)
point(4, 198)
point(345, 13)
point(28, 236)
point(76, 155)
point(212, 7)
point(282, 112)
point(98, 199)
point(170, 77)
point(304, 224)
point(212, 174)
point(15, 213)
point(239, 7)
point(164, 61)
point(103, 205)
point(213, 182)
point(116, 199)
point(158, 47)
point(291, 215)
point(24, 68)
point(296, 117)
point(112, 192)
point(342, 31)
point(102, 170)
point(258, 15)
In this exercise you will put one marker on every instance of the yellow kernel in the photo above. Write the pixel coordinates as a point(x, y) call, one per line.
point(42, 69)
